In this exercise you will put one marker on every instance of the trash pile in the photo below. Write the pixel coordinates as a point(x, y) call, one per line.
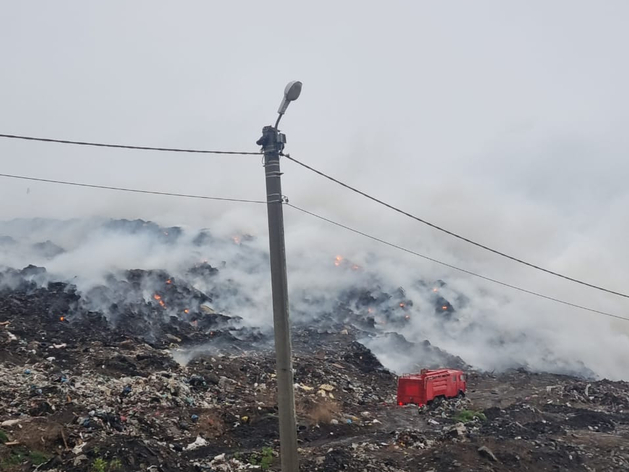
point(81, 393)
point(145, 373)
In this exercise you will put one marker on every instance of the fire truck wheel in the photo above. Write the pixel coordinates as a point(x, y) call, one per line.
point(434, 403)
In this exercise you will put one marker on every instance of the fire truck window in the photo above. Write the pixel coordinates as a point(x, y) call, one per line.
point(462, 377)
point(454, 378)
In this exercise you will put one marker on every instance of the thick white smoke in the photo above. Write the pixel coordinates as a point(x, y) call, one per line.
point(506, 123)
point(491, 328)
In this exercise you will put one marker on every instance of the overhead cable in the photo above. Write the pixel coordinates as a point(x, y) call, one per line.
point(132, 190)
point(125, 146)
point(451, 233)
point(469, 272)
point(374, 238)
point(353, 189)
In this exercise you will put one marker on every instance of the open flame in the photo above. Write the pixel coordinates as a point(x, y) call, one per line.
point(169, 281)
point(62, 318)
point(186, 311)
point(236, 239)
point(435, 289)
point(159, 300)
point(444, 307)
point(402, 305)
point(340, 260)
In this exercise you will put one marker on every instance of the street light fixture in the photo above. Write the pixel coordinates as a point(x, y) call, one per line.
point(291, 93)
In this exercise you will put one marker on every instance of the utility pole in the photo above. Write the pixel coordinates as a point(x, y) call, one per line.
point(272, 142)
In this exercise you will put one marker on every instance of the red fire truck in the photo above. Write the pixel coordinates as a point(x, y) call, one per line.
point(420, 389)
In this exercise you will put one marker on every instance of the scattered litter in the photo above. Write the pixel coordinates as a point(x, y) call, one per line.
point(199, 442)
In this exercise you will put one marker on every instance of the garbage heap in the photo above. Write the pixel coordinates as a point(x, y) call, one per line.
point(81, 392)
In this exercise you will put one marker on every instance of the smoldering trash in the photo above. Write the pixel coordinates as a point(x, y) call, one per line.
point(169, 365)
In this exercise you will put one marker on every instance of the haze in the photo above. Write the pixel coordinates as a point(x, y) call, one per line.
point(503, 122)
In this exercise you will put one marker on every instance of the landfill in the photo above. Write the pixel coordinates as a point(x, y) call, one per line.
point(165, 382)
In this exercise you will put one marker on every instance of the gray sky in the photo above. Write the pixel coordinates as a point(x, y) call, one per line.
point(503, 121)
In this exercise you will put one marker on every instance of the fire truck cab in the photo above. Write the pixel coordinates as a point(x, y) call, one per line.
point(420, 389)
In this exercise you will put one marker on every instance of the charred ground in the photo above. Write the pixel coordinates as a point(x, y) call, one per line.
point(142, 373)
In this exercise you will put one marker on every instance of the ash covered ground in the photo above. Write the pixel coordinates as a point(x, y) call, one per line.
point(171, 367)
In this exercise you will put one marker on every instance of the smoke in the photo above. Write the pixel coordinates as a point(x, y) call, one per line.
point(469, 120)
point(414, 313)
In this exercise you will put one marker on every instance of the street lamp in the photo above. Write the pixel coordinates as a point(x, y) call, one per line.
point(272, 142)
point(291, 93)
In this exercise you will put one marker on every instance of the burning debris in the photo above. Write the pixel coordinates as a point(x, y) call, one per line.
point(88, 392)
point(232, 279)
point(156, 370)
point(340, 261)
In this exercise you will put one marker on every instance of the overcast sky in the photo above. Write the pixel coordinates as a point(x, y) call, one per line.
point(505, 121)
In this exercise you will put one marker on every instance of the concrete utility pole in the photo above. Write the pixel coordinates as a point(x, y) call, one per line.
point(272, 142)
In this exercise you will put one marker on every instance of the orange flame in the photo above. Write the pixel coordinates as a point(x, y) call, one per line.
point(444, 307)
point(236, 239)
point(159, 300)
point(338, 260)
point(169, 281)
point(186, 311)
point(62, 318)
point(402, 305)
point(435, 289)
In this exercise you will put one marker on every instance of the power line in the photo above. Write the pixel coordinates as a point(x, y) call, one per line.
point(469, 272)
point(124, 146)
point(133, 190)
point(451, 233)
point(203, 197)
point(201, 151)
